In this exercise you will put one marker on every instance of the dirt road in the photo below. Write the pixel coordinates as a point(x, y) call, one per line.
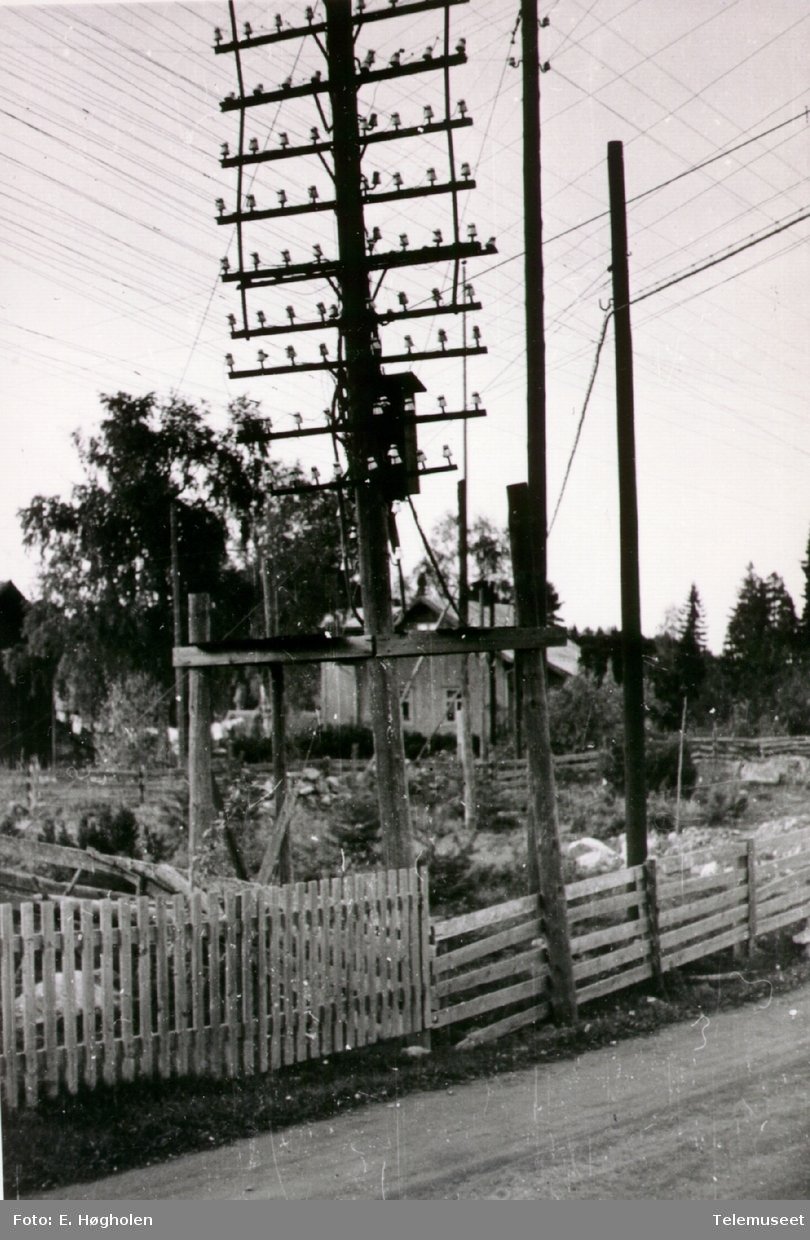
point(718, 1109)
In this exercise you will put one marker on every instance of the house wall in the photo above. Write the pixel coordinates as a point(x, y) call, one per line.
point(345, 699)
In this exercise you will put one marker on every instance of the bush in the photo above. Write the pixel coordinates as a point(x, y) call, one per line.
point(583, 714)
point(335, 742)
point(108, 832)
point(660, 765)
point(133, 722)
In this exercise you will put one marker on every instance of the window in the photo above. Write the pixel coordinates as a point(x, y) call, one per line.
point(451, 701)
point(406, 710)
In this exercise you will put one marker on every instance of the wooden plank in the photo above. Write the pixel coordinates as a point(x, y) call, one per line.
point(182, 972)
point(147, 1059)
point(609, 961)
point(488, 1003)
point(433, 643)
point(249, 953)
point(414, 961)
point(604, 907)
point(452, 926)
point(424, 917)
point(699, 909)
point(676, 892)
point(651, 907)
point(787, 917)
point(387, 955)
point(215, 970)
point(314, 970)
point(782, 904)
point(29, 1010)
point(404, 987)
point(369, 955)
point(300, 941)
point(487, 946)
point(108, 996)
point(607, 985)
point(275, 963)
point(611, 934)
point(697, 951)
point(125, 988)
point(262, 1015)
point(67, 914)
point(675, 865)
point(88, 996)
point(511, 966)
point(784, 884)
point(197, 975)
point(162, 989)
point(47, 915)
point(330, 888)
point(289, 975)
point(631, 877)
point(751, 893)
point(231, 997)
point(349, 899)
point(490, 1033)
point(705, 927)
point(7, 997)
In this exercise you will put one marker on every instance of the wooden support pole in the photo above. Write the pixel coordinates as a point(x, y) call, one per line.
point(200, 784)
point(632, 661)
point(285, 874)
point(651, 901)
point(180, 694)
point(464, 732)
point(362, 372)
point(544, 856)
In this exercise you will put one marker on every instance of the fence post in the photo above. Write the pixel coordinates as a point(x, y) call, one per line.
point(651, 899)
point(200, 786)
point(750, 858)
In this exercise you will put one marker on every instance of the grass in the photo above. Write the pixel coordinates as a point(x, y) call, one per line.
point(95, 1133)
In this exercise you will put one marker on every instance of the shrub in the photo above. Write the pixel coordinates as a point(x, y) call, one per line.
point(660, 765)
point(583, 714)
point(108, 832)
point(132, 724)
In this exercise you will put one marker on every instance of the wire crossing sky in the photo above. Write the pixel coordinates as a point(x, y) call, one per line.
point(110, 257)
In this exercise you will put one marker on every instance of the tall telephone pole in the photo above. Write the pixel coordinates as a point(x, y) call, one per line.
point(633, 667)
point(362, 385)
point(373, 417)
point(528, 533)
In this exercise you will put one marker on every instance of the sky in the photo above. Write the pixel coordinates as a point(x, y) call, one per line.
point(110, 263)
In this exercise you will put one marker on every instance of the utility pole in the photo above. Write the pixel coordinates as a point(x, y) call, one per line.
point(464, 719)
point(277, 700)
point(362, 385)
point(180, 699)
point(527, 529)
point(633, 668)
point(373, 416)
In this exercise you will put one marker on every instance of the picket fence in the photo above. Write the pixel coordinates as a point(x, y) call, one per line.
point(236, 982)
point(218, 984)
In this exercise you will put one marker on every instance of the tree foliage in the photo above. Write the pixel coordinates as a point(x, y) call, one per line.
point(105, 607)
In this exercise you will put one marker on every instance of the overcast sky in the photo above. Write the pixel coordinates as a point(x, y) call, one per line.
point(110, 256)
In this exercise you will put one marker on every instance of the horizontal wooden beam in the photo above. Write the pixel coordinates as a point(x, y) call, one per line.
point(319, 648)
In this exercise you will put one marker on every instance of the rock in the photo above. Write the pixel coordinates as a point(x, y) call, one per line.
point(311, 773)
point(306, 790)
point(593, 857)
point(333, 782)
